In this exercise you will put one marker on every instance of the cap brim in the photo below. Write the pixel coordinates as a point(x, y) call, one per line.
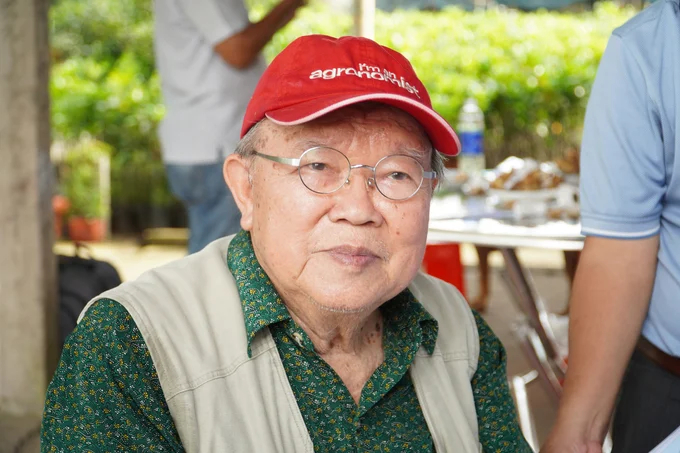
point(443, 138)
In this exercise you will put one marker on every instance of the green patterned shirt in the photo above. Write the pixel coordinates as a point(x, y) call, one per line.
point(106, 396)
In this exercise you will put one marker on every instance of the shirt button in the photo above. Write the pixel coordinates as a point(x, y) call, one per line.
point(298, 338)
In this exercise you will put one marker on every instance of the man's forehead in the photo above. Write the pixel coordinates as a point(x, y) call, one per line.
point(361, 118)
point(369, 111)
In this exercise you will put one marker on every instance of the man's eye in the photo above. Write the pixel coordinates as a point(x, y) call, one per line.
point(398, 176)
point(317, 166)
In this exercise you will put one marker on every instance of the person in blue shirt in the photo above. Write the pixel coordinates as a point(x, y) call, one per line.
point(625, 306)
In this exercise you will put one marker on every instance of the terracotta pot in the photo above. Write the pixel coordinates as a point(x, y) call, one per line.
point(83, 229)
point(60, 205)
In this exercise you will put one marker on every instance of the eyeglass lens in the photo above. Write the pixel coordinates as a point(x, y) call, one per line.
point(325, 170)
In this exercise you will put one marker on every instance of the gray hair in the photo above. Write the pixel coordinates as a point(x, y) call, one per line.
point(437, 160)
point(247, 146)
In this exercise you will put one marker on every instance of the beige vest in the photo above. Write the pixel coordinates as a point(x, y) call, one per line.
point(221, 400)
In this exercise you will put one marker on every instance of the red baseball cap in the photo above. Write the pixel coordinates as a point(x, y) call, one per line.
point(317, 74)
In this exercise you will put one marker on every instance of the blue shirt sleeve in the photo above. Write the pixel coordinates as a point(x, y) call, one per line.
point(622, 161)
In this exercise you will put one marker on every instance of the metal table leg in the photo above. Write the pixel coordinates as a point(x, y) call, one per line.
point(534, 351)
point(532, 306)
point(537, 336)
point(526, 421)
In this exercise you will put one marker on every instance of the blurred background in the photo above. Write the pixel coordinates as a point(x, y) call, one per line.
point(529, 71)
point(95, 174)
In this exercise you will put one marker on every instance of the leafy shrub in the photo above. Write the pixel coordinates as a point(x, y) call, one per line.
point(104, 85)
point(81, 178)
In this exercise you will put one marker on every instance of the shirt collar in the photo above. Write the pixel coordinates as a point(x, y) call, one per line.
point(261, 303)
point(404, 310)
point(262, 306)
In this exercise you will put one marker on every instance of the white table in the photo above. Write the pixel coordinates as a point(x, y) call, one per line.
point(548, 234)
point(455, 219)
point(475, 220)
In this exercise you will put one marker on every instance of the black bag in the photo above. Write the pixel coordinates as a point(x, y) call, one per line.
point(80, 279)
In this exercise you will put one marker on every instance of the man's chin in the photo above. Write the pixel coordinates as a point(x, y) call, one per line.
point(348, 299)
point(346, 309)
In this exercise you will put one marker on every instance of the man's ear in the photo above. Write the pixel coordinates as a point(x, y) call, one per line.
point(237, 176)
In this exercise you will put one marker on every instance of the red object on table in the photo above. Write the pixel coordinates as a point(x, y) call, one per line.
point(443, 261)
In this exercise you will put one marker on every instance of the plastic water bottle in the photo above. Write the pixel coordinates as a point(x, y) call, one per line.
point(471, 134)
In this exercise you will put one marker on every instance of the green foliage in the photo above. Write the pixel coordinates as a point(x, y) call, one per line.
point(531, 73)
point(80, 178)
point(104, 84)
point(116, 104)
point(103, 30)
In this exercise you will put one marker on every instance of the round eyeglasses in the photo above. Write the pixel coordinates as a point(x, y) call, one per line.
point(324, 170)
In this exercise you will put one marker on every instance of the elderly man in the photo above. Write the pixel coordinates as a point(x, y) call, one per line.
point(311, 329)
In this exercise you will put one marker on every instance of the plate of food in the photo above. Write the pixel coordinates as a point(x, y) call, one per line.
point(525, 179)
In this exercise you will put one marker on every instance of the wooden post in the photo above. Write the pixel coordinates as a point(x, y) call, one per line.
point(364, 18)
point(28, 329)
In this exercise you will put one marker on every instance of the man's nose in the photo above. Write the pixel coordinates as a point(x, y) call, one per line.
point(355, 201)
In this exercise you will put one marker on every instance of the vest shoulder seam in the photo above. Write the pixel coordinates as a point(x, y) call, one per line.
point(220, 373)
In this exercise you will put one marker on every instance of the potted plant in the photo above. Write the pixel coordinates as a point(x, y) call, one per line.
point(84, 181)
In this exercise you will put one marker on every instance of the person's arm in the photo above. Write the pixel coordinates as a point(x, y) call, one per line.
point(241, 49)
point(623, 182)
point(499, 429)
point(609, 302)
point(223, 24)
point(105, 394)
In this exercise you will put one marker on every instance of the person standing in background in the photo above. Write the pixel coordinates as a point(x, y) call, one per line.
point(626, 296)
point(208, 56)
